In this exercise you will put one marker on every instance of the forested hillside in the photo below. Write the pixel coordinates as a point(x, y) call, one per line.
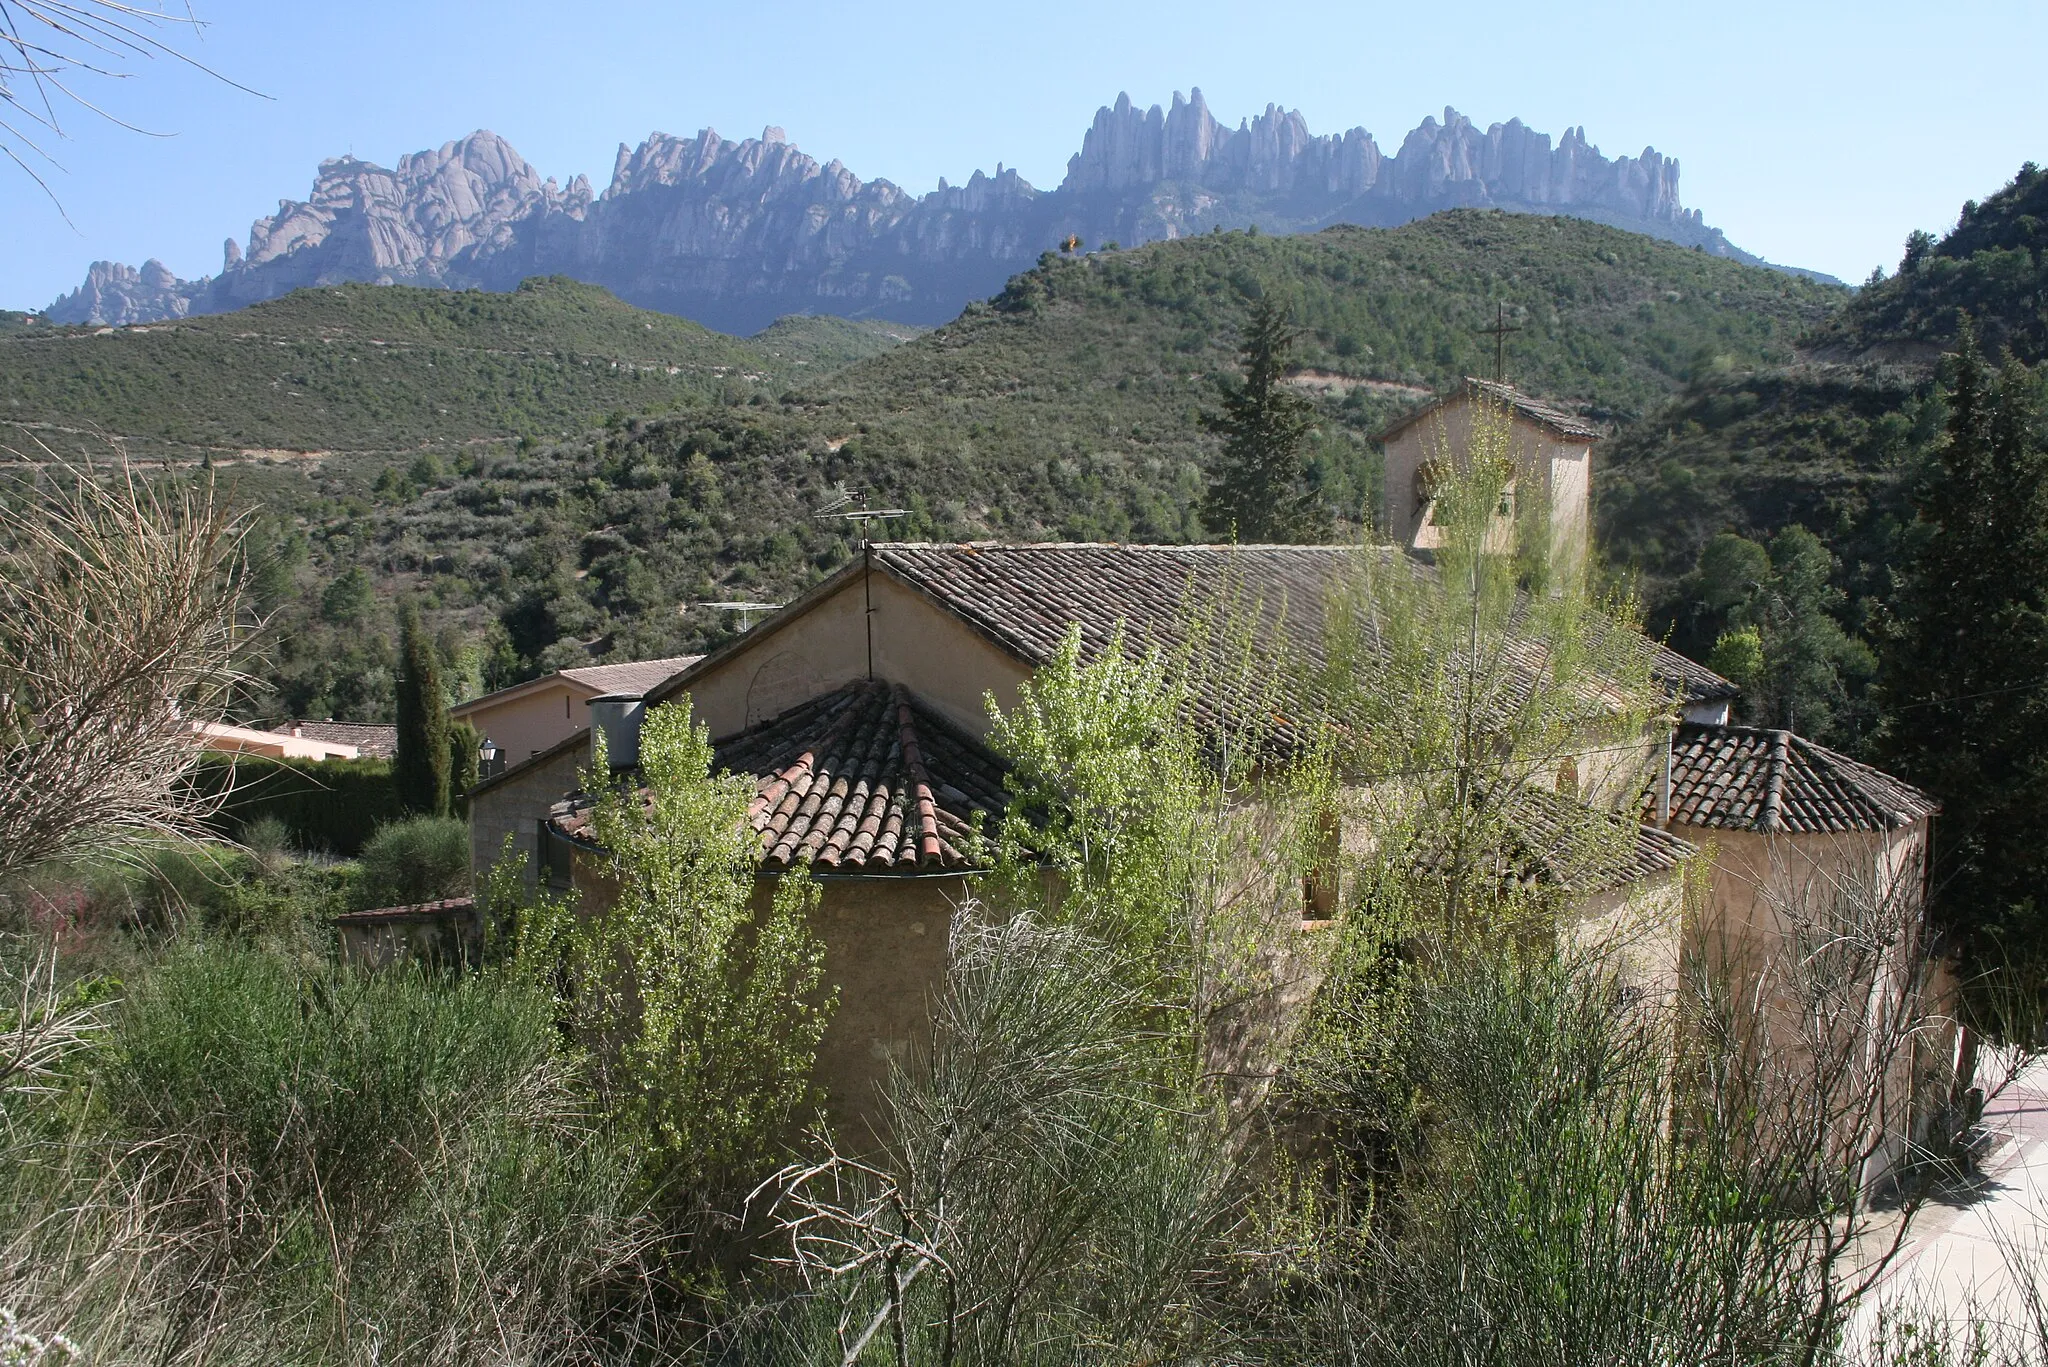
point(1069, 406)
point(1830, 442)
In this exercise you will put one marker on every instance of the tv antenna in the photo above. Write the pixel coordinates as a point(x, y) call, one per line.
point(1499, 332)
point(745, 610)
point(852, 506)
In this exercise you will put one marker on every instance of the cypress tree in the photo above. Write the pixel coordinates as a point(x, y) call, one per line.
point(1964, 682)
point(421, 772)
point(465, 764)
point(1259, 490)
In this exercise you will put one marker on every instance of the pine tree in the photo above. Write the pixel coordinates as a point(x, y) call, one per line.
point(421, 770)
point(1964, 685)
point(1808, 660)
point(1259, 490)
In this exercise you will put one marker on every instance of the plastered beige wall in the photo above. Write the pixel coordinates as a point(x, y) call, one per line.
point(885, 951)
point(524, 726)
point(1748, 939)
point(944, 662)
point(1638, 929)
point(1559, 470)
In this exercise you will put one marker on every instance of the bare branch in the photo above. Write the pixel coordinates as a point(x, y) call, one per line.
point(120, 625)
point(46, 46)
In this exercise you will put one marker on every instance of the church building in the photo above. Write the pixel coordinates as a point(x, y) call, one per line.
point(859, 711)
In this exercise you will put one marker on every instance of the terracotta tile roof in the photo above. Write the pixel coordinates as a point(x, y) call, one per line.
point(636, 677)
point(1024, 597)
point(1557, 846)
point(1746, 779)
point(1553, 419)
point(421, 911)
point(864, 779)
point(370, 740)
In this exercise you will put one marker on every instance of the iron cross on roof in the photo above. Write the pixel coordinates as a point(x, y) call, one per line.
point(1499, 332)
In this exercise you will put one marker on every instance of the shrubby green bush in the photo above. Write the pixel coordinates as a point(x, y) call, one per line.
point(423, 859)
point(284, 1160)
point(706, 1009)
point(176, 886)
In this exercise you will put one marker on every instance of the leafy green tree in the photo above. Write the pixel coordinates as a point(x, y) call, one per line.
point(708, 1010)
point(275, 555)
point(1772, 617)
point(1259, 490)
point(1730, 572)
point(1738, 656)
point(1965, 656)
point(421, 768)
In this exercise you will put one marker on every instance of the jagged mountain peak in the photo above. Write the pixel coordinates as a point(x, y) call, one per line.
point(734, 233)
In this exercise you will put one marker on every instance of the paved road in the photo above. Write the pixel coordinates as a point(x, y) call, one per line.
point(1958, 1264)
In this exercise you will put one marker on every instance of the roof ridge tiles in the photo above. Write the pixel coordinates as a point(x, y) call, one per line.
point(913, 760)
point(1774, 780)
point(1772, 817)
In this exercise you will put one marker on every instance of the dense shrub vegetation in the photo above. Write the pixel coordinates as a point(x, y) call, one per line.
point(335, 805)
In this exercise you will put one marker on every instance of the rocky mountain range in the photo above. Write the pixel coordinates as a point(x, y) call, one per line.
point(735, 234)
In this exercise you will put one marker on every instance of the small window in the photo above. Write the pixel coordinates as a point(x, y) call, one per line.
point(1568, 777)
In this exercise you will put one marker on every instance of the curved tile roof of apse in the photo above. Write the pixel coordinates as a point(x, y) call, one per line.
point(862, 780)
point(1747, 779)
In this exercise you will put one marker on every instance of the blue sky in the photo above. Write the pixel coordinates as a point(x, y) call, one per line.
point(1817, 134)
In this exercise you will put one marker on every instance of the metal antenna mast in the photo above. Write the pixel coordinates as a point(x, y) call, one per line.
point(851, 506)
point(745, 610)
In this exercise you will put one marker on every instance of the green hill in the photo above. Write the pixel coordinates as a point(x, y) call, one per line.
point(811, 344)
point(1832, 439)
point(388, 370)
point(1067, 407)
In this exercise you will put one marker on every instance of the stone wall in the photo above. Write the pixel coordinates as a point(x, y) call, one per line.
point(514, 805)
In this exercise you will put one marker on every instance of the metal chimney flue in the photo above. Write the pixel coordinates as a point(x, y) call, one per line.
point(616, 717)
